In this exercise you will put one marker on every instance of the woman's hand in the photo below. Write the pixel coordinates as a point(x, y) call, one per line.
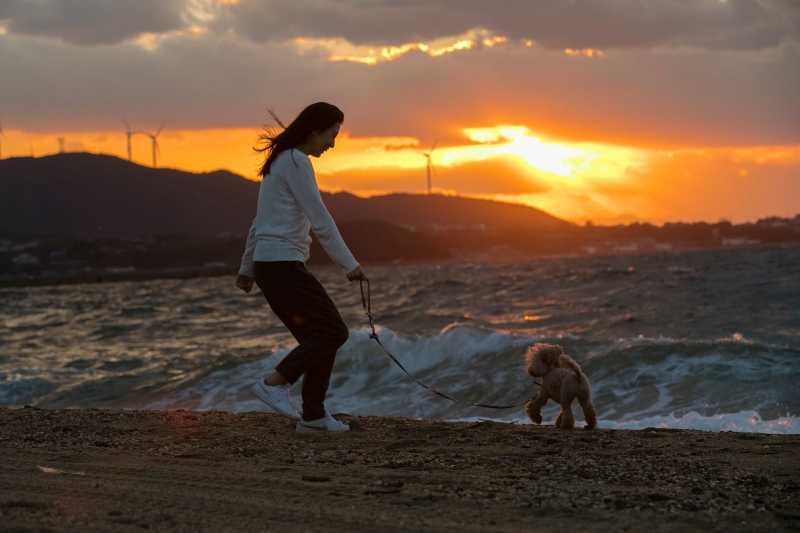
point(357, 275)
point(244, 282)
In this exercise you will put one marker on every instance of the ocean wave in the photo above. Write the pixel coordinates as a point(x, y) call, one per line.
point(632, 379)
point(663, 346)
point(735, 339)
point(631, 382)
point(647, 377)
point(366, 381)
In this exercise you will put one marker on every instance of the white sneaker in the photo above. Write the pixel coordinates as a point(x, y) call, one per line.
point(326, 423)
point(277, 397)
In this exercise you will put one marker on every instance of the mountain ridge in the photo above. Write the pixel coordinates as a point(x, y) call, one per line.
point(95, 195)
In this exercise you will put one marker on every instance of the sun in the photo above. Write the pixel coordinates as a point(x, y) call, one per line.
point(553, 159)
point(548, 158)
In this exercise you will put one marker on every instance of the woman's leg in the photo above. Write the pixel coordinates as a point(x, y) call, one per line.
point(301, 303)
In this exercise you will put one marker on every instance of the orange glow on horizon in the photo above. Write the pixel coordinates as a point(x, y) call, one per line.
point(511, 163)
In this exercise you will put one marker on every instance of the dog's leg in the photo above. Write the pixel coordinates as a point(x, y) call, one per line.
point(567, 419)
point(534, 413)
point(589, 412)
point(534, 408)
point(559, 418)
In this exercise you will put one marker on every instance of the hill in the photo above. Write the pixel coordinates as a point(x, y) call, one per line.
point(442, 212)
point(88, 195)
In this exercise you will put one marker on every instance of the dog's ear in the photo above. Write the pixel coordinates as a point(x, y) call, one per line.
point(530, 359)
point(542, 357)
point(533, 359)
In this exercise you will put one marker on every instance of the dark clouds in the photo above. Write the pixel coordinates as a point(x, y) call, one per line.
point(91, 22)
point(576, 24)
point(556, 25)
point(633, 97)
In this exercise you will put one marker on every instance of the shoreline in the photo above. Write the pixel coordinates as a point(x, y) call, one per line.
point(107, 470)
point(61, 279)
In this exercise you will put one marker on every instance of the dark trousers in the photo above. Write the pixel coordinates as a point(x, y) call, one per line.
point(302, 304)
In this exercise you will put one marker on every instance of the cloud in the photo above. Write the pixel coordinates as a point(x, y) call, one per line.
point(91, 22)
point(736, 184)
point(663, 97)
point(726, 184)
point(627, 97)
point(555, 25)
point(689, 185)
point(339, 49)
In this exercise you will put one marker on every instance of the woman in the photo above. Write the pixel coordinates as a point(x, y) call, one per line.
point(289, 204)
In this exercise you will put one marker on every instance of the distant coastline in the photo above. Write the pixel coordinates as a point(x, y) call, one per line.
point(64, 273)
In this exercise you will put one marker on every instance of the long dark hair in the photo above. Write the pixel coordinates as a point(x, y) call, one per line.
point(316, 117)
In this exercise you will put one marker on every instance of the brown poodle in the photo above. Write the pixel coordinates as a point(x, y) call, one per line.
point(562, 381)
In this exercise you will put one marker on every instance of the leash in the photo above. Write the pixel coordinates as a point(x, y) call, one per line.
point(365, 301)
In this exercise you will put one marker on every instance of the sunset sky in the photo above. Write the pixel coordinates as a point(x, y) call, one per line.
point(604, 110)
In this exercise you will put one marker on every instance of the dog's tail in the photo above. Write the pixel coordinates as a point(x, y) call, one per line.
point(565, 361)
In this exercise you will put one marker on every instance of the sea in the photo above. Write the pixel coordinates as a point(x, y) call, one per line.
point(705, 340)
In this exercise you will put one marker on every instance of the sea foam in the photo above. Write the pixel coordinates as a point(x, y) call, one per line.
point(744, 422)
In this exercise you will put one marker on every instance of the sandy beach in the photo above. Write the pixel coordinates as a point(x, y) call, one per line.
point(111, 470)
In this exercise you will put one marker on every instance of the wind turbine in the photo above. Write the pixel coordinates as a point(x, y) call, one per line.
point(429, 166)
point(61, 145)
point(153, 137)
point(2, 134)
point(128, 132)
